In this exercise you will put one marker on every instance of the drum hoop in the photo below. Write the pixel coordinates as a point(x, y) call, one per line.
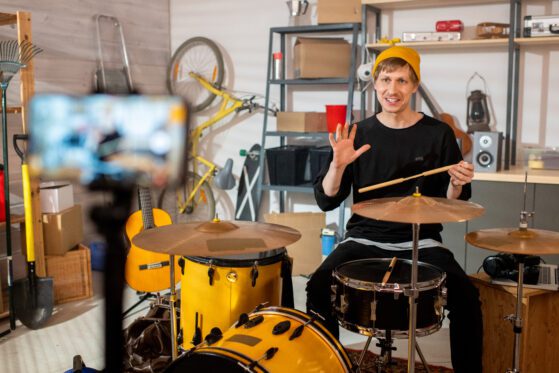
point(318, 328)
point(394, 287)
point(276, 255)
point(211, 350)
point(398, 334)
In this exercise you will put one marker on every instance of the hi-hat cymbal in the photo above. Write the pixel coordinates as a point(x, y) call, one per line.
point(215, 238)
point(516, 241)
point(418, 209)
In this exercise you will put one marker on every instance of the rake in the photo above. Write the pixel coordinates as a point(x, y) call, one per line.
point(13, 57)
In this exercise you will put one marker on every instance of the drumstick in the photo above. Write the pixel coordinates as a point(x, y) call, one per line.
point(389, 270)
point(402, 179)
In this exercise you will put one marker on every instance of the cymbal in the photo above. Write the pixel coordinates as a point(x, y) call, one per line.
point(516, 241)
point(215, 238)
point(418, 209)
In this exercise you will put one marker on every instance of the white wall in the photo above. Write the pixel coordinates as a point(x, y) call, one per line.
point(241, 29)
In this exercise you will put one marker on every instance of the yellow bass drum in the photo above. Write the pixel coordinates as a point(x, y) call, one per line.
point(274, 339)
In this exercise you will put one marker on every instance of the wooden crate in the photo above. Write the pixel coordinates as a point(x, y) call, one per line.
point(539, 342)
point(71, 274)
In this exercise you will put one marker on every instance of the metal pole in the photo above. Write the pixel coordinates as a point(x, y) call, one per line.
point(412, 300)
point(173, 310)
point(517, 318)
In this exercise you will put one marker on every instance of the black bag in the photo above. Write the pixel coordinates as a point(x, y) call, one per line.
point(148, 341)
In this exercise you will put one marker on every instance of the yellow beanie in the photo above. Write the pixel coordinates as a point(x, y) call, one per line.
point(407, 54)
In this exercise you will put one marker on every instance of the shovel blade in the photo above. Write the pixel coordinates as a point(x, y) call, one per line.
point(33, 301)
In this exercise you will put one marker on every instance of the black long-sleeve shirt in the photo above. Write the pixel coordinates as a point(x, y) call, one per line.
point(395, 153)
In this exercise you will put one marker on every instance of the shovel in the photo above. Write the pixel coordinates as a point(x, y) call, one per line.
point(33, 295)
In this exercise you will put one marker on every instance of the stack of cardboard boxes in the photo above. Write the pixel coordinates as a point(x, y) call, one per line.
point(68, 262)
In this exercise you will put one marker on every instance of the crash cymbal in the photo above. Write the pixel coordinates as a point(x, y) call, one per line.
point(215, 238)
point(418, 209)
point(516, 241)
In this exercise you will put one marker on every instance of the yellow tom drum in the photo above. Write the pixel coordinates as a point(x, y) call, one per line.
point(215, 291)
point(275, 339)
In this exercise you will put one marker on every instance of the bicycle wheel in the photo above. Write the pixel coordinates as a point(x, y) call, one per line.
point(201, 56)
point(201, 208)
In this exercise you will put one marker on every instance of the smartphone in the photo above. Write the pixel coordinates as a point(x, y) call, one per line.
point(136, 138)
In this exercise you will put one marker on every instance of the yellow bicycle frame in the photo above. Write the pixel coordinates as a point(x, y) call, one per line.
point(229, 104)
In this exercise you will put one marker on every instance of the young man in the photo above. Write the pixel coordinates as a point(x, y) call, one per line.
point(399, 142)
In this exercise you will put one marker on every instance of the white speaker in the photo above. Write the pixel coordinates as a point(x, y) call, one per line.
point(487, 151)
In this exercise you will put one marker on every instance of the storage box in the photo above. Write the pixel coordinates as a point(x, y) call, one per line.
point(536, 26)
point(307, 252)
point(318, 158)
point(286, 164)
point(71, 275)
point(339, 11)
point(321, 58)
point(301, 121)
point(62, 231)
point(56, 196)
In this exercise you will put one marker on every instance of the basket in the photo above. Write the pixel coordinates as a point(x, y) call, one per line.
point(71, 274)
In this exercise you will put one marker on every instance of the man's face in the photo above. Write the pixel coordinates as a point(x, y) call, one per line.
point(394, 89)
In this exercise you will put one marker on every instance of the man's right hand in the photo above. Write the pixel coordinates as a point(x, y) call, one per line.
point(342, 146)
point(344, 154)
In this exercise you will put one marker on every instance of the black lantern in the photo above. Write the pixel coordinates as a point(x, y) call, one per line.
point(477, 111)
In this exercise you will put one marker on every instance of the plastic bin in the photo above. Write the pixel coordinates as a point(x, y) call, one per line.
point(318, 158)
point(286, 164)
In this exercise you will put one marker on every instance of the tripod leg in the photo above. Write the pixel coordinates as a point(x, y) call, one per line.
point(422, 357)
point(142, 299)
point(362, 356)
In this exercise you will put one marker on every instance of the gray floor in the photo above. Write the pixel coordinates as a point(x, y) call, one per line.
point(76, 328)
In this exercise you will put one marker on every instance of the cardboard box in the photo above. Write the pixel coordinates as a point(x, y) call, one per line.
point(307, 252)
point(62, 231)
point(71, 275)
point(301, 121)
point(339, 11)
point(56, 196)
point(322, 58)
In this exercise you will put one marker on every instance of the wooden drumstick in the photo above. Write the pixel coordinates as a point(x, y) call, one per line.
point(389, 271)
point(402, 179)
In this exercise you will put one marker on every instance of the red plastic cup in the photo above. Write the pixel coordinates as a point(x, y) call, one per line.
point(335, 114)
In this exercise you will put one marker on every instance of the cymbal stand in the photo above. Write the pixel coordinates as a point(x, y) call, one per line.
point(172, 301)
point(413, 294)
point(516, 319)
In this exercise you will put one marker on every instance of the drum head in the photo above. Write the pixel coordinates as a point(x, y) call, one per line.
point(373, 270)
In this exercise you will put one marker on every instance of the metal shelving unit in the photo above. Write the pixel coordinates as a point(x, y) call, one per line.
point(283, 84)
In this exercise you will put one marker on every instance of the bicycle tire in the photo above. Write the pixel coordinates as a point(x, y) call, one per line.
point(203, 57)
point(203, 208)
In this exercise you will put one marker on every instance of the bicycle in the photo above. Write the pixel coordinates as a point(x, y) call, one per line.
point(196, 73)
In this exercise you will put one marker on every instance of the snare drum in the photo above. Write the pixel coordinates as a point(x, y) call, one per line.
point(215, 291)
point(243, 349)
point(363, 305)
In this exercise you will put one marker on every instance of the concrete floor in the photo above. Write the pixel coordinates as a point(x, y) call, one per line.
point(76, 328)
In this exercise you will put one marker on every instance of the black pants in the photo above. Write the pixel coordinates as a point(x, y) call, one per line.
point(466, 332)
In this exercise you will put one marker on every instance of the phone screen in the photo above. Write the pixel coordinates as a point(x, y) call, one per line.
point(136, 138)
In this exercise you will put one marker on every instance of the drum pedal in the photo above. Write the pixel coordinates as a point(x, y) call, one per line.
point(281, 327)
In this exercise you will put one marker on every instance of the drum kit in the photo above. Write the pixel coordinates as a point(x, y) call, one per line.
point(374, 297)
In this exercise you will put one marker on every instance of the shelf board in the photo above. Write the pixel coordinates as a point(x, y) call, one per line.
point(13, 110)
point(303, 188)
point(311, 81)
point(335, 27)
point(297, 134)
point(516, 174)
point(408, 4)
point(458, 44)
point(545, 40)
point(14, 219)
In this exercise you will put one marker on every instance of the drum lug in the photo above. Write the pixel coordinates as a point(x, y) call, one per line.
point(333, 293)
point(211, 272)
point(181, 263)
point(373, 315)
point(343, 303)
point(254, 321)
point(443, 296)
point(254, 273)
point(281, 327)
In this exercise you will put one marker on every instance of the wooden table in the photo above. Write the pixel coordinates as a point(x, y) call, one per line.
point(539, 346)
